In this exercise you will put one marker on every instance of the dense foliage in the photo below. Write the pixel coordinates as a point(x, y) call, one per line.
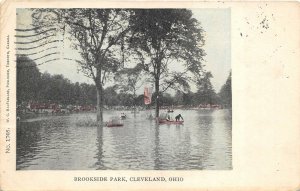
point(32, 85)
point(225, 93)
point(165, 45)
point(165, 39)
point(97, 34)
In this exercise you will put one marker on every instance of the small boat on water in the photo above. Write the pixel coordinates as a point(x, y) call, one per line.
point(170, 109)
point(123, 116)
point(110, 124)
point(164, 121)
point(114, 122)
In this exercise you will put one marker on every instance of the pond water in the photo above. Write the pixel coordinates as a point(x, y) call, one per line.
point(64, 143)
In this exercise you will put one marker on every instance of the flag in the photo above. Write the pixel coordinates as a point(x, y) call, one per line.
point(147, 95)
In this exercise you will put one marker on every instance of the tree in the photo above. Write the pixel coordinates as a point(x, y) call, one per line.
point(178, 98)
point(167, 99)
point(188, 98)
point(225, 93)
point(125, 99)
point(32, 85)
point(98, 35)
point(28, 78)
point(206, 93)
point(130, 79)
point(87, 94)
point(110, 96)
point(164, 37)
point(139, 100)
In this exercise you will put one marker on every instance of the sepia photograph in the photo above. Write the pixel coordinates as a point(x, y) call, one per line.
point(123, 89)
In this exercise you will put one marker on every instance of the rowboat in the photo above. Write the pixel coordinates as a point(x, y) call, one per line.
point(164, 121)
point(122, 116)
point(114, 124)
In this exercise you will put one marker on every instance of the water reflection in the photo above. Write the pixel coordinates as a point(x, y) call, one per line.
point(100, 163)
point(27, 143)
point(157, 161)
point(204, 120)
point(203, 142)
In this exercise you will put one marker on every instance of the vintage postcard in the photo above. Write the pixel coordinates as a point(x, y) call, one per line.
point(140, 95)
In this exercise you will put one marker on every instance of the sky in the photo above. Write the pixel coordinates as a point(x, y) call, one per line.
point(215, 22)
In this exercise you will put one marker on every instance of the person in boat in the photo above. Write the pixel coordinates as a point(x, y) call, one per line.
point(168, 118)
point(170, 110)
point(123, 116)
point(177, 118)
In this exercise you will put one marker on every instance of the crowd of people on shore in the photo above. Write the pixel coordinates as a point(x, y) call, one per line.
point(55, 108)
point(52, 108)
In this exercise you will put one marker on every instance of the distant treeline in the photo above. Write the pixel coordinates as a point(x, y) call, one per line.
point(32, 85)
